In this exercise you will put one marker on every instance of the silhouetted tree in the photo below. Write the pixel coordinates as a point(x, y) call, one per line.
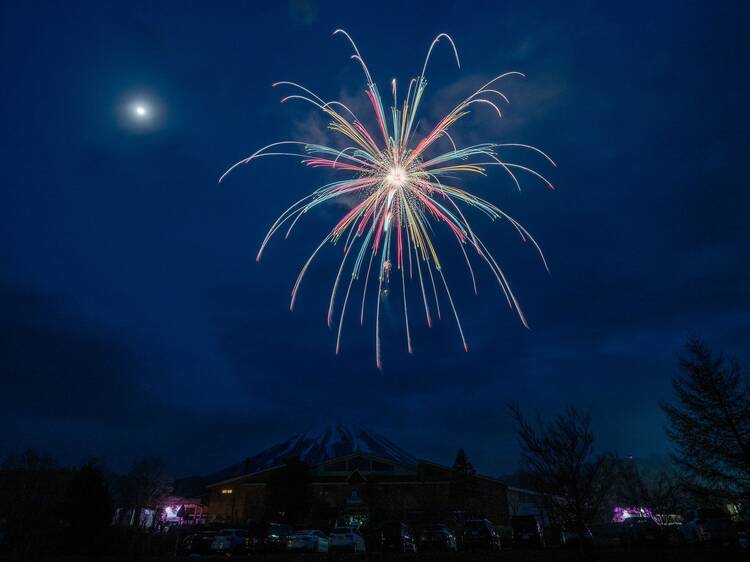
point(709, 423)
point(462, 465)
point(145, 484)
point(88, 509)
point(464, 485)
point(659, 490)
point(322, 513)
point(289, 492)
point(559, 460)
point(32, 489)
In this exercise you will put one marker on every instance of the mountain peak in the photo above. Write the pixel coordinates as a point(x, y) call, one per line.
point(316, 445)
point(331, 440)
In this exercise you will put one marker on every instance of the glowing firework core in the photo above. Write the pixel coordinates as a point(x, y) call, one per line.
point(404, 186)
point(396, 177)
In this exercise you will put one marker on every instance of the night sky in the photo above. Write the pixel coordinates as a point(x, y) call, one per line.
point(134, 319)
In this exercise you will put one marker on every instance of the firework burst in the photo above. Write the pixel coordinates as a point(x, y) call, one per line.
point(400, 191)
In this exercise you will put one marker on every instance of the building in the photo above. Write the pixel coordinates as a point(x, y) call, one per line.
point(170, 511)
point(361, 487)
point(182, 512)
point(522, 501)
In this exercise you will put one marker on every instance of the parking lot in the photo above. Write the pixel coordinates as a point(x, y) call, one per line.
point(684, 553)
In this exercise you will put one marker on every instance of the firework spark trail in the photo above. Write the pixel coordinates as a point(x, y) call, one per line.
point(399, 189)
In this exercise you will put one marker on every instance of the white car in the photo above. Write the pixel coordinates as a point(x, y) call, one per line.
point(308, 541)
point(229, 540)
point(346, 538)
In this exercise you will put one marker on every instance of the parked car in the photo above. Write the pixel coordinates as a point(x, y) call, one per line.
point(198, 543)
point(438, 537)
point(346, 538)
point(570, 536)
point(743, 537)
point(397, 537)
point(641, 530)
point(268, 537)
point(671, 534)
point(310, 540)
point(229, 541)
point(526, 531)
point(743, 527)
point(480, 534)
point(606, 534)
point(708, 524)
point(184, 543)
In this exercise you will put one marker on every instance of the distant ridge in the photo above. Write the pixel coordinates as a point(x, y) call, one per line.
point(313, 447)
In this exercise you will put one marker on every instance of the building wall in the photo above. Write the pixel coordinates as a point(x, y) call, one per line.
point(425, 495)
point(245, 503)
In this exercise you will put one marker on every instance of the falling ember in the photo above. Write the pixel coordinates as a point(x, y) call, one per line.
point(401, 192)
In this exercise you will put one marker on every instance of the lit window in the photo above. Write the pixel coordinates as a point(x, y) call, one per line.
point(227, 491)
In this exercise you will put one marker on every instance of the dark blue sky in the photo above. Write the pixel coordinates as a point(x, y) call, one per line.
point(135, 320)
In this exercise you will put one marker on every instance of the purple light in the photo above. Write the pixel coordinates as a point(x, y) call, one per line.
point(170, 513)
point(620, 514)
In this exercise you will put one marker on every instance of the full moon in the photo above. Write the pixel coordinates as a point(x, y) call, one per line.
point(140, 111)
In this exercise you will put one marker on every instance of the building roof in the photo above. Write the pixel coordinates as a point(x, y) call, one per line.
point(320, 474)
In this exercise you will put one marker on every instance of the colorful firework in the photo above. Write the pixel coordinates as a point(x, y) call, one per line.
point(400, 191)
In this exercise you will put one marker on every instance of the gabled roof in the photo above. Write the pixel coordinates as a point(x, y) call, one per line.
point(384, 460)
point(345, 458)
point(480, 476)
point(243, 476)
point(357, 477)
point(314, 467)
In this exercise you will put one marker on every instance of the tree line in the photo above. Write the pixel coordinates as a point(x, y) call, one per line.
point(708, 424)
point(48, 508)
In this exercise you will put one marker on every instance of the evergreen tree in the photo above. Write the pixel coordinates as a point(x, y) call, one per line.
point(289, 492)
point(464, 486)
point(32, 497)
point(709, 423)
point(462, 465)
point(88, 509)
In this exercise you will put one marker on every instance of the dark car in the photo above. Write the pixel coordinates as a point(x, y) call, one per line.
point(397, 537)
point(641, 530)
point(742, 527)
point(198, 543)
point(268, 537)
point(526, 531)
point(438, 538)
point(607, 534)
point(480, 534)
point(708, 525)
point(573, 537)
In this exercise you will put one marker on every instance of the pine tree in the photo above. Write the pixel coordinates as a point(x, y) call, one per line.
point(464, 485)
point(462, 465)
point(88, 509)
point(709, 423)
point(290, 492)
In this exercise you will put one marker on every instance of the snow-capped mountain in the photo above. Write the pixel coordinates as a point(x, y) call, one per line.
point(313, 447)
